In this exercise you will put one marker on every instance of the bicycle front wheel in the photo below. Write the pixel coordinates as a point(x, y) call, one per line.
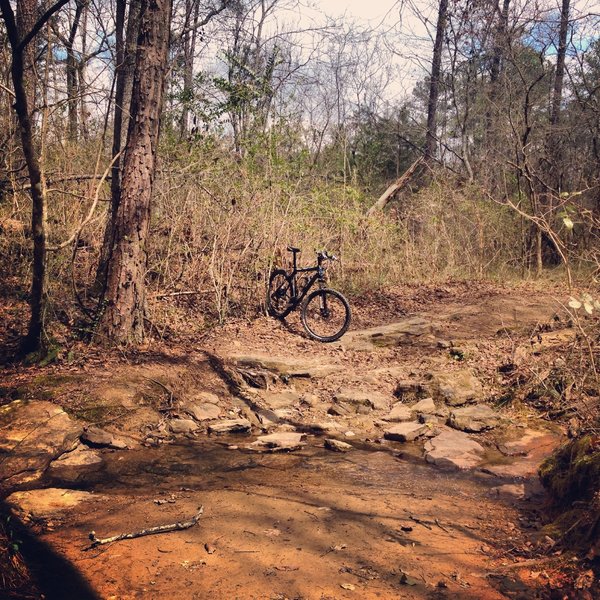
point(326, 315)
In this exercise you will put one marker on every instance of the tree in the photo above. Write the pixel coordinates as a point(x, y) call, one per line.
point(124, 300)
point(21, 33)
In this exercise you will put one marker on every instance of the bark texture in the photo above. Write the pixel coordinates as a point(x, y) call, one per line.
point(125, 298)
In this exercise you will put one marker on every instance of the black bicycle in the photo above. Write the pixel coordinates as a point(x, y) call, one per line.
point(325, 313)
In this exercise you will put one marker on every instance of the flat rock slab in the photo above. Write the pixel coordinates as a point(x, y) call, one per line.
point(278, 400)
point(529, 451)
point(426, 406)
point(454, 450)
point(407, 331)
point(75, 465)
point(99, 438)
point(48, 503)
point(279, 441)
point(405, 432)
point(399, 414)
point(32, 434)
point(230, 426)
point(337, 445)
point(474, 419)
point(203, 411)
point(456, 388)
point(285, 366)
point(370, 400)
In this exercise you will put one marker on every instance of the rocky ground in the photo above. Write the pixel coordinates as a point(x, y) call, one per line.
point(400, 462)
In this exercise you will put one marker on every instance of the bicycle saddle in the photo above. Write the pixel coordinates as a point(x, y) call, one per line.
point(292, 249)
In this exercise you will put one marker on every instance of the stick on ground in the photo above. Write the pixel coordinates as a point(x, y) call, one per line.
point(151, 531)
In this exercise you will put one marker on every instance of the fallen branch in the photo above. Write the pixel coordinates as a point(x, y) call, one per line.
point(153, 530)
point(394, 188)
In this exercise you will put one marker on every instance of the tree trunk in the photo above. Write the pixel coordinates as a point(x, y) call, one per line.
point(560, 63)
point(125, 57)
point(71, 69)
point(125, 298)
point(434, 83)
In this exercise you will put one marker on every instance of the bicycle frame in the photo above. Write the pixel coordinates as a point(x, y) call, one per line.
point(319, 275)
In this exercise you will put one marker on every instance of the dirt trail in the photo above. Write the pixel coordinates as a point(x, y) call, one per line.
point(375, 522)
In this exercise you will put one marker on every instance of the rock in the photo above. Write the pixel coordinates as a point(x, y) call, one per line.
point(337, 446)
point(48, 503)
point(456, 387)
point(285, 366)
point(279, 441)
point(509, 491)
point(409, 390)
point(399, 413)
point(407, 331)
point(343, 410)
point(96, 437)
point(183, 425)
point(444, 344)
point(360, 398)
point(230, 426)
point(74, 465)
point(454, 450)
point(203, 411)
point(405, 432)
point(429, 418)
point(327, 427)
point(284, 399)
point(206, 398)
point(32, 434)
point(425, 406)
point(479, 417)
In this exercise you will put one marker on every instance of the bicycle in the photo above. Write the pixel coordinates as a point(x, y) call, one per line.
point(325, 314)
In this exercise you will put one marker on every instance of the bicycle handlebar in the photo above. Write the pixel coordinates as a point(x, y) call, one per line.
point(324, 255)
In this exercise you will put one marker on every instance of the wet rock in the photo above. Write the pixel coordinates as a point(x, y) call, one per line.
point(365, 399)
point(509, 491)
point(479, 417)
point(279, 441)
point(183, 425)
point(230, 426)
point(99, 438)
point(456, 388)
point(399, 413)
point(203, 411)
point(74, 465)
point(32, 434)
point(454, 450)
point(284, 399)
point(405, 432)
point(425, 406)
point(48, 503)
point(285, 366)
point(408, 331)
point(336, 445)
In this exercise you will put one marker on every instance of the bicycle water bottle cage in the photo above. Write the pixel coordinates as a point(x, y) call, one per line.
point(292, 249)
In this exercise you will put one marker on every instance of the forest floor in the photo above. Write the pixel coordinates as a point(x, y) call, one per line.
point(288, 517)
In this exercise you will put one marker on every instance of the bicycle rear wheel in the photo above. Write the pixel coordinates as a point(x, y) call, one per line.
point(326, 315)
point(279, 295)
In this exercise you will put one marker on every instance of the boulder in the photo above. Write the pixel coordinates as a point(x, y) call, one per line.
point(337, 446)
point(206, 397)
point(230, 426)
point(203, 411)
point(32, 434)
point(99, 438)
point(456, 388)
point(279, 441)
point(75, 465)
point(509, 491)
point(49, 503)
point(479, 417)
point(406, 331)
point(454, 450)
point(183, 425)
point(405, 432)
